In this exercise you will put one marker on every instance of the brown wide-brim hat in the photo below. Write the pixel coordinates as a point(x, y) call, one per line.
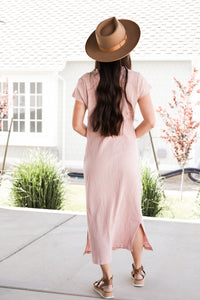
point(112, 40)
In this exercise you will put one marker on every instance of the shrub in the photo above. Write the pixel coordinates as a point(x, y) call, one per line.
point(38, 182)
point(152, 192)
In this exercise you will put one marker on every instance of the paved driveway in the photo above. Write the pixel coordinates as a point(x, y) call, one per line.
point(41, 259)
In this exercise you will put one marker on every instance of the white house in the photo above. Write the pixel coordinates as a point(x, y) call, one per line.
point(42, 54)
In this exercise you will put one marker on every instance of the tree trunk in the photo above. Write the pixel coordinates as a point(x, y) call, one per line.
point(182, 178)
point(5, 153)
point(154, 153)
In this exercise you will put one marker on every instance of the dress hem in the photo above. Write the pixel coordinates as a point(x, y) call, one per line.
point(121, 247)
point(146, 244)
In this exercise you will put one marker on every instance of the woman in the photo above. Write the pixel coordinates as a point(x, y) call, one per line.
point(111, 162)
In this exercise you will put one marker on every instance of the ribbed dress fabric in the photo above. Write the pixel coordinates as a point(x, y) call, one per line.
point(112, 174)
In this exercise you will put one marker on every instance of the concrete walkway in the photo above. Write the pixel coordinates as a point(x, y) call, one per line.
point(41, 259)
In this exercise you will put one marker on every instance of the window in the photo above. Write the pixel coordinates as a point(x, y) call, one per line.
point(35, 106)
point(19, 107)
point(26, 108)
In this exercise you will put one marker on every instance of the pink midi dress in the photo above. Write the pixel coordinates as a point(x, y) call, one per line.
point(112, 174)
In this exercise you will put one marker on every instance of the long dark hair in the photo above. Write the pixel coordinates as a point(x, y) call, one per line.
point(107, 115)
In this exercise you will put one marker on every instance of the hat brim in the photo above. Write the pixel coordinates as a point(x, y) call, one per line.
point(133, 35)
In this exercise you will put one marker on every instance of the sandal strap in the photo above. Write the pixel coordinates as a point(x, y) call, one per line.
point(103, 282)
point(97, 282)
point(139, 271)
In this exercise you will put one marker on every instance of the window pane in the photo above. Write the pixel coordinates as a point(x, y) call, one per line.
point(39, 87)
point(22, 100)
point(32, 127)
point(39, 126)
point(22, 87)
point(32, 114)
point(39, 114)
point(32, 87)
point(22, 126)
point(16, 101)
point(15, 126)
point(15, 86)
point(5, 125)
point(39, 100)
point(22, 113)
point(32, 100)
point(15, 113)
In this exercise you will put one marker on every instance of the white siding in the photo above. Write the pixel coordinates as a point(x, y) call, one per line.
point(74, 142)
point(67, 144)
point(160, 75)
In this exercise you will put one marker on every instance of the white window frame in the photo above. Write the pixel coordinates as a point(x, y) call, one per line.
point(48, 136)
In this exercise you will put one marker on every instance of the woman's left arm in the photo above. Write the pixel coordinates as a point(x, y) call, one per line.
point(78, 118)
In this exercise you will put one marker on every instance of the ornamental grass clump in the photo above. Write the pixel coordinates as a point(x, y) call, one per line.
point(38, 182)
point(152, 192)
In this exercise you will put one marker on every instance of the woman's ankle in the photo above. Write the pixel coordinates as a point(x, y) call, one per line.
point(137, 266)
point(107, 276)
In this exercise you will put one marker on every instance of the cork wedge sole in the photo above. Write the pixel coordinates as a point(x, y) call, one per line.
point(141, 271)
point(105, 295)
point(101, 285)
point(137, 283)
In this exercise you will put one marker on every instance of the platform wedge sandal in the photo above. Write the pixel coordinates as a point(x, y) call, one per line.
point(104, 287)
point(138, 275)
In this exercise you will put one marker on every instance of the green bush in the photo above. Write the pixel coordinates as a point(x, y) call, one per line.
point(38, 182)
point(152, 192)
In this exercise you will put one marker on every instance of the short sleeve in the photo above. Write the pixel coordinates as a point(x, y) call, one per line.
point(143, 86)
point(80, 92)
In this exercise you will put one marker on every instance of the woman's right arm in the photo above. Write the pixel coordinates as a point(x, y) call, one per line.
point(148, 113)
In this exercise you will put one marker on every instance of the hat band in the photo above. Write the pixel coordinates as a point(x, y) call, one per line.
point(116, 47)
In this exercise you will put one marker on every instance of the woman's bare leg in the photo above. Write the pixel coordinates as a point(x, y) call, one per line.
point(106, 271)
point(136, 253)
point(138, 247)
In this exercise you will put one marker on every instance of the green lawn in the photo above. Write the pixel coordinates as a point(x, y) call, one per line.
point(185, 209)
point(75, 200)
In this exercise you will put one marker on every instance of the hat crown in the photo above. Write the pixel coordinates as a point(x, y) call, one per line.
point(112, 40)
point(110, 34)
